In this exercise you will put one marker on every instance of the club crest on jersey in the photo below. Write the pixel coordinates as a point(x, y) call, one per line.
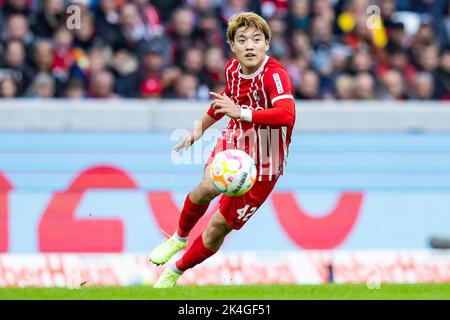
point(256, 96)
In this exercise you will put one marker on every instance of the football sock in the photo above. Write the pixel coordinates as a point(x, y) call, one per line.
point(190, 214)
point(174, 268)
point(194, 255)
point(182, 239)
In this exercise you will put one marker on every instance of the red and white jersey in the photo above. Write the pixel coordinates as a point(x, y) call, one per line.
point(267, 136)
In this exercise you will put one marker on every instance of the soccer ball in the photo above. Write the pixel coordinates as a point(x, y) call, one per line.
point(233, 172)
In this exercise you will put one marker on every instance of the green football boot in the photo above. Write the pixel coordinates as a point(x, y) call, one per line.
point(163, 252)
point(167, 279)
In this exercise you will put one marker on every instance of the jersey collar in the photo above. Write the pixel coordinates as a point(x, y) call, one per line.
point(254, 74)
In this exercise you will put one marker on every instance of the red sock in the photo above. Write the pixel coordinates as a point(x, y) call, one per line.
point(194, 255)
point(189, 216)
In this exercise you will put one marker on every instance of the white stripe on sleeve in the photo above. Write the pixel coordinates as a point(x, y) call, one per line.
point(284, 96)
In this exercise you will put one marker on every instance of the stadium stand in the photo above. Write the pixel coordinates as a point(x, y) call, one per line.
point(177, 49)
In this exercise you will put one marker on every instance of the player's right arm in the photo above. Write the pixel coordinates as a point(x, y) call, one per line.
point(208, 119)
point(205, 122)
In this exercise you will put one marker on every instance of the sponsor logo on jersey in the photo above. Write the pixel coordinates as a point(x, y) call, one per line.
point(277, 79)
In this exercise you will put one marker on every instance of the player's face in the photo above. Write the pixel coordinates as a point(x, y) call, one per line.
point(250, 47)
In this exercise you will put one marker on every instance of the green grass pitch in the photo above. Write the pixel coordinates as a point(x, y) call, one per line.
point(247, 292)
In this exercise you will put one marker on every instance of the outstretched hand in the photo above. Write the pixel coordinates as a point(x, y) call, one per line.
point(224, 105)
point(189, 140)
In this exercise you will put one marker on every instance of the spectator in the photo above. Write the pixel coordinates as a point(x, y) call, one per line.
point(398, 60)
point(107, 22)
point(364, 86)
point(150, 18)
point(392, 86)
point(321, 32)
point(340, 56)
point(17, 28)
point(99, 59)
point(193, 60)
point(168, 79)
point(86, 64)
point(337, 64)
point(300, 44)
point(398, 36)
point(151, 89)
point(232, 7)
point(423, 38)
point(15, 64)
point(344, 87)
point(102, 85)
point(166, 7)
point(43, 86)
point(185, 87)
point(387, 8)
point(152, 61)
point(299, 14)
point(323, 43)
point(194, 63)
point(428, 57)
point(210, 31)
point(323, 9)
point(279, 48)
point(269, 8)
point(62, 53)
point(202, 7)
point(75, 89)
point(359, 36)
point(51, 16)
point(16, 7)
point(214, 65)
point(43, 56)
point(8, 88)
point(423, 86)
point(296, 67)
point(181, 31)
point(442, 76)
point(85, 36)
point(125, 70)
point(133, 31)
point(428, 61)
point(361, 62)
point(309, 86)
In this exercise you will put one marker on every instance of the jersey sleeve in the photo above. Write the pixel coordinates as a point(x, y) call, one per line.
point(280, 95)
point(279, 86)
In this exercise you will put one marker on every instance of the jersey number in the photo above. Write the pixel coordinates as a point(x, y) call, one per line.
point(243, 214)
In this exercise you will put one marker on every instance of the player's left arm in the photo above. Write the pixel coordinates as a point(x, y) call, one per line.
point(280, 94)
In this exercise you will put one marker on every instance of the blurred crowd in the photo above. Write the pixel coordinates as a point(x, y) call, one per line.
point(332, 49)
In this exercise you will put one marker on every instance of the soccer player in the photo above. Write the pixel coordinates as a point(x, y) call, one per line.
point(258, 99)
